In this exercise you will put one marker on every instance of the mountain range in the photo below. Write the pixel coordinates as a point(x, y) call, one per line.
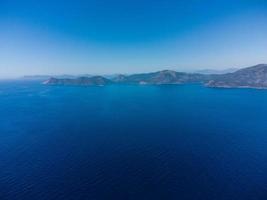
point(250, 77)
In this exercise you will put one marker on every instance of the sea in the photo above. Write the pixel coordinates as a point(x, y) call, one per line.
point(132, 142)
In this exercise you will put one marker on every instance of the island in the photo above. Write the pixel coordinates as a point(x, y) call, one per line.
point(82, 81)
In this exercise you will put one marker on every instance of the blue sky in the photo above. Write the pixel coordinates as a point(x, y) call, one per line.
point(128, 36)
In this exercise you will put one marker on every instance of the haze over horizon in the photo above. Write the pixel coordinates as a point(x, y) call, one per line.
point(109, 37)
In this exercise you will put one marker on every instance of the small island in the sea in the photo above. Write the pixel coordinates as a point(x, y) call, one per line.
point(250, 77)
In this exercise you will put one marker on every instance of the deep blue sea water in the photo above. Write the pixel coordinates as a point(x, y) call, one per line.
point(132, 142)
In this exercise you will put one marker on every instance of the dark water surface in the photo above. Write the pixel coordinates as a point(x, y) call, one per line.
point(132, 143)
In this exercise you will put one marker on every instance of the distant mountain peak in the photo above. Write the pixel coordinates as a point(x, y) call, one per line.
point(213, 71)
point(255, 67)
point(167, 71)
point(261, 65)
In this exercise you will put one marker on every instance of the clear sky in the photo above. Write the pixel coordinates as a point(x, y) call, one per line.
point(127, 36)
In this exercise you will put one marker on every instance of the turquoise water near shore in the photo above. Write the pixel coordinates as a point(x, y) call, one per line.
point(132, 142)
